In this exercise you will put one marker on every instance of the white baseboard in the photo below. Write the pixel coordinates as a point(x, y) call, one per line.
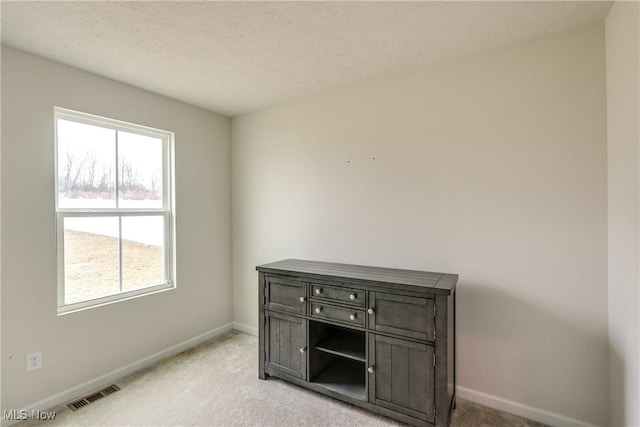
point(97, 383)
point(244, 328)
point(519, 409)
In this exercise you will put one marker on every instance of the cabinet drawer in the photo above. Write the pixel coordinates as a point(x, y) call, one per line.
point(350, 316)
point(402, 315)
point(338, 294)
point(286, 294)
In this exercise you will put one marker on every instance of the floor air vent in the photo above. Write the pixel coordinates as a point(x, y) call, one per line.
point(81, 403)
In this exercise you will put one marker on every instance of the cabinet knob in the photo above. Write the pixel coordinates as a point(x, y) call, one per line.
point(353, 296)
point(371, 311)
point(303, 299)
point(303, 349)
point(318, 309)
point(353, 316)
point(318, 291)
point(370, 369)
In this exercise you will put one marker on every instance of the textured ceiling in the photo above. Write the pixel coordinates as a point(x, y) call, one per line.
point(235, 57)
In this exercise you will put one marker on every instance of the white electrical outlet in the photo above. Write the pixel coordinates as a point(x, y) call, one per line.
point(34, 361)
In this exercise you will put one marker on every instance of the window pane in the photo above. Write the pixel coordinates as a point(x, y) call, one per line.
point(91, 261)
point(142, 252)
point(140, 168)
point(86, 166)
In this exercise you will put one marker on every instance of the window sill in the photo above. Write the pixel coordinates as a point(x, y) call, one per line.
point(112, 299)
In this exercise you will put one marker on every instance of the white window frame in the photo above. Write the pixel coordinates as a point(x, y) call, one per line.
point(167, 210)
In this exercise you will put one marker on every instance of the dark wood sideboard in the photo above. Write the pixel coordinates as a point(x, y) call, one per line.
point(379, 338)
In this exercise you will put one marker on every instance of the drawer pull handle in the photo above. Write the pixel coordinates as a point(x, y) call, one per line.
point(318, 310)
point(353, 316)
point(318, 291)
point(353, 296)
point(371, 311)
point(303, 349)
point(303, 299)
point(370, 369)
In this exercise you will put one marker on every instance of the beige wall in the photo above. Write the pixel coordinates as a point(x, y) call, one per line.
point(1, 355)
point(82, 346)
point(493, 167)
point(623, 141)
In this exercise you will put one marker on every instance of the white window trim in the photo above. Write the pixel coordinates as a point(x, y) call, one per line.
point(168, 210)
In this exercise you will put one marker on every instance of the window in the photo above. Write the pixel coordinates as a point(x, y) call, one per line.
point(114, 210)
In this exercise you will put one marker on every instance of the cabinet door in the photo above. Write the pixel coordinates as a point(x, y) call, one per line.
point(403, 376)
point(412, 317)
point(286, 294)
point(286, 346)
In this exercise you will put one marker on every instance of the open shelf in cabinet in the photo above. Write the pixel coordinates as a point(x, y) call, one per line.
point(344, 376)
point(345, 343)
point(338, 359)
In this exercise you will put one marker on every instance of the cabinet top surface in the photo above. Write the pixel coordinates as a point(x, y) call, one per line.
point(317, 269)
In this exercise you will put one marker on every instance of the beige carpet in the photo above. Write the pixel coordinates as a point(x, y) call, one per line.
point(216, 384)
